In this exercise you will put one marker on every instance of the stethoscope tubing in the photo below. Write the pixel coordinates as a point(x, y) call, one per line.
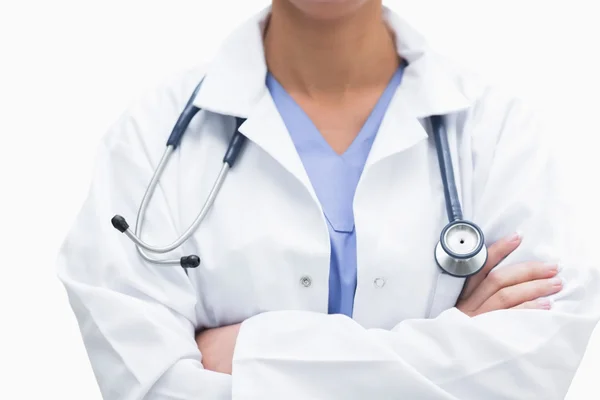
point(236, 143)
point(453, 207)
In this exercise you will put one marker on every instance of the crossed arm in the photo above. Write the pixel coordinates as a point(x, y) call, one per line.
point(521, 286)
point(137, 321)
point(504, 339)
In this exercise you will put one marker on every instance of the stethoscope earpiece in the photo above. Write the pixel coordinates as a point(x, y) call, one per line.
point(192, 261)
point(119, 223)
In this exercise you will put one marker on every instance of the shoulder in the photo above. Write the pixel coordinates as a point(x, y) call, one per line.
point(487, 99)
point(496, 115)
point(149, 119)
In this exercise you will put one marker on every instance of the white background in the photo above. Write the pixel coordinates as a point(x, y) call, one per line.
point(69, 68)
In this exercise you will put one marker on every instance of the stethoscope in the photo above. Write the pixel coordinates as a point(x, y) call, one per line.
point(460, 252)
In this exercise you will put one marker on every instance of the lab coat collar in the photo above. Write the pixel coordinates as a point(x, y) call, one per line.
point(234, 81)
point(235, 84)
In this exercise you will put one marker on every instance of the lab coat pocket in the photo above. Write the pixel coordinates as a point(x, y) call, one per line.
point(446, 293)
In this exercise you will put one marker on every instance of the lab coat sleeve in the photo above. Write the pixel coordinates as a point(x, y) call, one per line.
point(508, 354)
point(137, 319)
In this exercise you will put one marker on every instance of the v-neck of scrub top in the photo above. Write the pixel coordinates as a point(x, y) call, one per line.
point(334, 178)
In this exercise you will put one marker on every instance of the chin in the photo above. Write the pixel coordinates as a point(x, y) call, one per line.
point(327, 9)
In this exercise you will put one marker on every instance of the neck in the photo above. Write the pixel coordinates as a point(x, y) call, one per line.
point(329, 56)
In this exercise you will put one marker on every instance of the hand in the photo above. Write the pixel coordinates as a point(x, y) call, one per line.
point(516, 286)
point(216, 346)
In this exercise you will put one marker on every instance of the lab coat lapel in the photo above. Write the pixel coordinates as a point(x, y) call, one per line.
point(266, 128)
point(399, 130)
point(428, 88)
point(425, 90)
point(235, 84)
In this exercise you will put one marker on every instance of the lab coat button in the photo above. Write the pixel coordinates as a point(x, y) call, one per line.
point(306, 281)
point(379, 282)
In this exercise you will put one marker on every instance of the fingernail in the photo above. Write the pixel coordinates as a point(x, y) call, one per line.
point(544, 304)
point(556, 282)
point(514, 237)
point(551, 267)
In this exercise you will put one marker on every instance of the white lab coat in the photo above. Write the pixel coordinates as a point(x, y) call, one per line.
point(265, 249)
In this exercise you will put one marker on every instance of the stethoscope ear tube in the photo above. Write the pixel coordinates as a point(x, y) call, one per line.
point(234, 149)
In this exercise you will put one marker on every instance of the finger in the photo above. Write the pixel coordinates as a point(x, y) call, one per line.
point(514, 295)
point(509, 276)
point(500, 250)
point(539, 304)
point(496, 253)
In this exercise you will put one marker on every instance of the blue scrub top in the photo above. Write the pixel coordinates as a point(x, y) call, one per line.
point(334, 178)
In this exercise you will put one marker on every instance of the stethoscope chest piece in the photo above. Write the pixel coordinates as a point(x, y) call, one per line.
point(461, 251)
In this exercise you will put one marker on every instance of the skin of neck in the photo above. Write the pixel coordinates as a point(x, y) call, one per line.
point(329, 52)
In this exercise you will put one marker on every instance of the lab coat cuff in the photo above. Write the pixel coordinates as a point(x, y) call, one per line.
point(187, 380)
point(263, 342)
